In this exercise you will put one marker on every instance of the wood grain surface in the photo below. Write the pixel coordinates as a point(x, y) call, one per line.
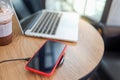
point(80, 57)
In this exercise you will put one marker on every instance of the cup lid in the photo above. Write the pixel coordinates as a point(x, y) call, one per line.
point(6, 11)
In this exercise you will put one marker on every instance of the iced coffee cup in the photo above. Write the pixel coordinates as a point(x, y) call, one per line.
point(6, 13)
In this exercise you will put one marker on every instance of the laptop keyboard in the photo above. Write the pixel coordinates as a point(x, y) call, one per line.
point(48, 23)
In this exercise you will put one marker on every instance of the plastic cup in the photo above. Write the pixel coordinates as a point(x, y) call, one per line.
point(6, 13)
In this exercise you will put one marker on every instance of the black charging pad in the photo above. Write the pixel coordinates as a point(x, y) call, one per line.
point(61, 61)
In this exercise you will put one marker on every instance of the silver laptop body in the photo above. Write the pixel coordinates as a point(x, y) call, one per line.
point(51, 24)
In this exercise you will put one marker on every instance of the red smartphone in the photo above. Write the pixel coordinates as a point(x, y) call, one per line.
point(46, 59)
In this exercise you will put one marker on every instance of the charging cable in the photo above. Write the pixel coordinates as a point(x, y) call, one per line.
point(25, 59)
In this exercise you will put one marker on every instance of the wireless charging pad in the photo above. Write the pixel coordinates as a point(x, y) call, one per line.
point(61, 61)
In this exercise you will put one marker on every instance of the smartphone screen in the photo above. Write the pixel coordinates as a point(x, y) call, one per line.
point(47, 57)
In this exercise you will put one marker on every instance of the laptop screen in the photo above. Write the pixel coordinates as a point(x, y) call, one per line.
point(25, 8)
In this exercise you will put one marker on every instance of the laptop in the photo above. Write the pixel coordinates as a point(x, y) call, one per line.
point(51, 24)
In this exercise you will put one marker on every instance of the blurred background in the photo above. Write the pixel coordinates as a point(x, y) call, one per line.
point(93, 8)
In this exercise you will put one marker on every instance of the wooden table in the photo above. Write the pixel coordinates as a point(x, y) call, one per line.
point(80, 58)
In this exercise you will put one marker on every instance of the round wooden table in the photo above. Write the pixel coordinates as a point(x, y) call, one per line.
point(80, 58)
